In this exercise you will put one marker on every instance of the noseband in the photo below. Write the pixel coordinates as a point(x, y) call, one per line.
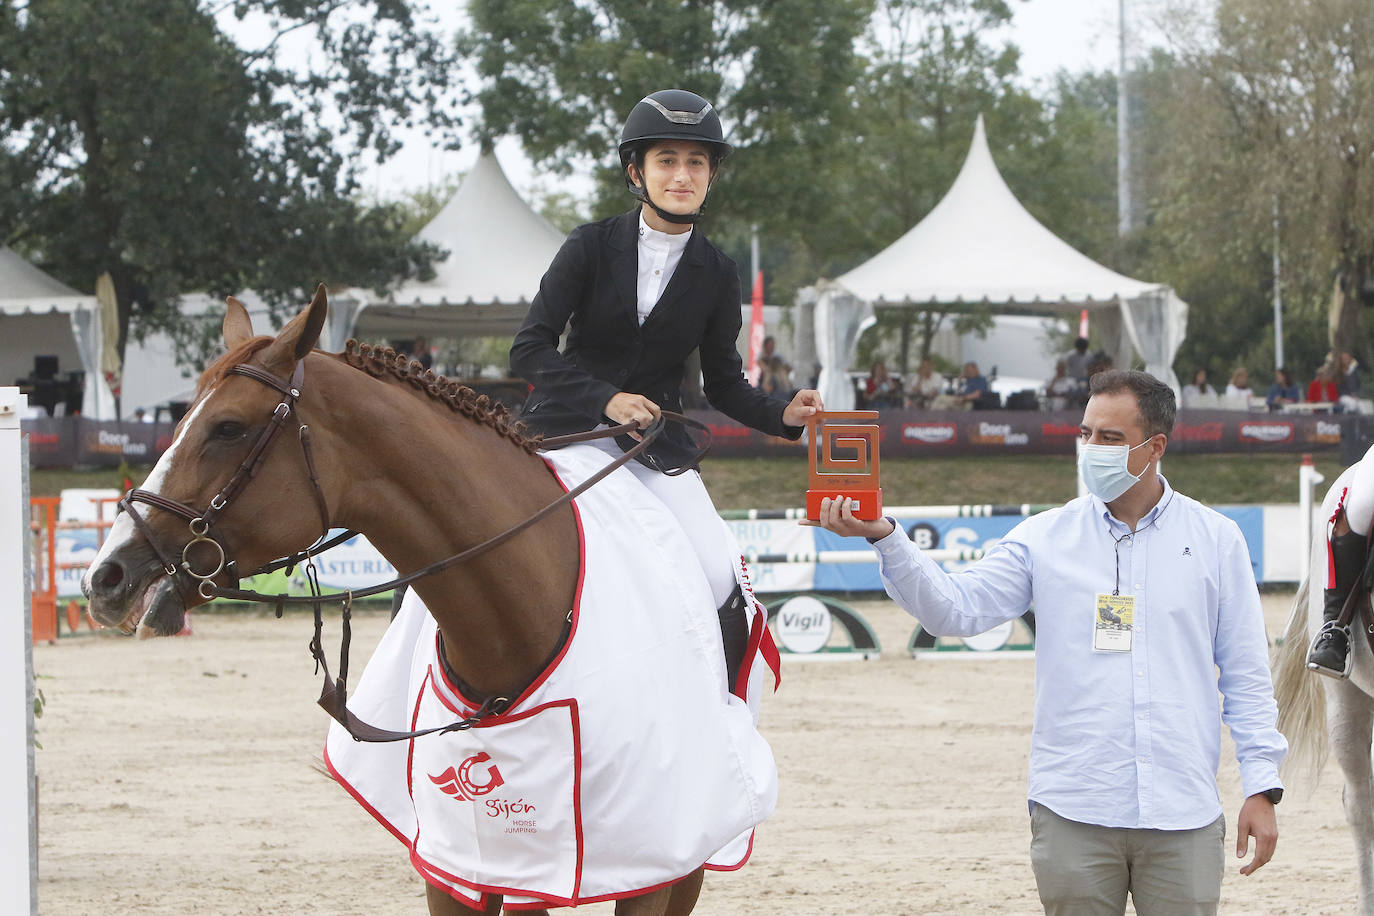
point(202, 523)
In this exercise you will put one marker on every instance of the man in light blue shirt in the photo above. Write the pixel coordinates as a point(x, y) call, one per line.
point(1145, 605)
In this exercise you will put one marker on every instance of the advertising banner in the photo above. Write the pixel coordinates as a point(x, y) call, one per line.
point(916, 434)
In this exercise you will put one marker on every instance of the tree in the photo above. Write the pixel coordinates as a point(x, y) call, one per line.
point(141, 140)
point(562, 76)
point(1273, 111)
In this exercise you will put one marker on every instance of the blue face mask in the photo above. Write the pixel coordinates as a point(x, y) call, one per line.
point(1104, 469)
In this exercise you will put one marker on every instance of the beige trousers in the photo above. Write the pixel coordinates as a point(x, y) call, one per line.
point(1087, 870)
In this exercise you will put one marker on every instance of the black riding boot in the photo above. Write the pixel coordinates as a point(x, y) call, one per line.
point(734, 630)
point(1330, 652)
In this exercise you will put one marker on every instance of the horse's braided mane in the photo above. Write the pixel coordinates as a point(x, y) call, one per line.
point(383, 362)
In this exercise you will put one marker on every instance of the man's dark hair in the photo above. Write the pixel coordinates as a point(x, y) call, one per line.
point(1153, 398)
point(1081, 345)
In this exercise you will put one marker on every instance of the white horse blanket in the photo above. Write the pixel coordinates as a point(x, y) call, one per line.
point(628, 765)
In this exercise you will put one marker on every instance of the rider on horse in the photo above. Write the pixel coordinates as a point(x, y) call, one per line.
point(641, 291)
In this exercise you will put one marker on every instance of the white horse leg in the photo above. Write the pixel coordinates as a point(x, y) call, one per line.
point(1350, 723)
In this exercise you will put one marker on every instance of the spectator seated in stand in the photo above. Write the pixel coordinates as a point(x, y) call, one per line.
point(1199, 395)
point(1099, 362)
point(1239, 386)
point(1351, 388)
point(925, 387)
point(775, 378)
point(1348, 378)
point(1283, 391)
point(1063, 391)
point(1323, 389)
point(1077, 360)
point(974, 391)
point(1238, 393)
point(881, 391)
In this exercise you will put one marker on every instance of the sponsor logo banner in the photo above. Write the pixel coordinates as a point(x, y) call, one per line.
point(1268, 431)
point(930, 433)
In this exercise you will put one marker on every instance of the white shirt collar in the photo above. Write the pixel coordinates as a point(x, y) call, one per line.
point(655, 239)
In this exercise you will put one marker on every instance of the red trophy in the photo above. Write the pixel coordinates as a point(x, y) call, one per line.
point(833, 436)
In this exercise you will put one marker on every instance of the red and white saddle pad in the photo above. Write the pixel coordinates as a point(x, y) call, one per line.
point(628, 765)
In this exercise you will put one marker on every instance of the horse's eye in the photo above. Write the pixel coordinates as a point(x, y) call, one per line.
point(227, 431)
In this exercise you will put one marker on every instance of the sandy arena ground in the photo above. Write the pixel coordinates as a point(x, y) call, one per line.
point(175, 778)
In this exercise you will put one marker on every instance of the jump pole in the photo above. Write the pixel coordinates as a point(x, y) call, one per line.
point(18, 797)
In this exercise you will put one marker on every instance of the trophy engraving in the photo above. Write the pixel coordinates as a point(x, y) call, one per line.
point(843, 456)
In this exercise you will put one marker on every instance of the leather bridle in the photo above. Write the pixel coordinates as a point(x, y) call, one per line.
point(202, 522)
point(334, 697)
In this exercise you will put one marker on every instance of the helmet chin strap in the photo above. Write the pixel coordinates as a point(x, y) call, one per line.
point(682, 219)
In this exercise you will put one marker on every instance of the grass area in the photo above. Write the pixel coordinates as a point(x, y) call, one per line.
point(768, 483)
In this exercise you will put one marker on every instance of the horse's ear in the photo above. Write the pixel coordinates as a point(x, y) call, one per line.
point(238, 327)
point(315, 314)
point(299, 336)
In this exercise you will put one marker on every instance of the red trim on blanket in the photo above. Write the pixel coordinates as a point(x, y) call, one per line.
point(756, 628)
point(410, 745)
point(575, 713)
point(428, 869)
point(772, 657)
point(622, 895)
point(760, 642)
point(357, 797)
point(744, 860)
point(472, 705)
point(1330, 560)
point(457, 893)
point(481, 902)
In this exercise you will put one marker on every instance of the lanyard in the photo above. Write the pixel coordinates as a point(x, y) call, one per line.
point(1116, 551)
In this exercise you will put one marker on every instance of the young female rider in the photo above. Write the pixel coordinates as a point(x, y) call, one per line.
point(641, 291)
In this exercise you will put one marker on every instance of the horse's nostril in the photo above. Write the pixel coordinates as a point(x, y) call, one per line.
point(108, 576)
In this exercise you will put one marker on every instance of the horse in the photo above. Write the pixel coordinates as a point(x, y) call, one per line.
point(1321, 714)
point(422, 466)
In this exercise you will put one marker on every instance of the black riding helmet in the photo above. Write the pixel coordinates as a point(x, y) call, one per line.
point(669, 114)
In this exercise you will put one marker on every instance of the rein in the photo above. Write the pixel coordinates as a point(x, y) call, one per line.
point(334, 696)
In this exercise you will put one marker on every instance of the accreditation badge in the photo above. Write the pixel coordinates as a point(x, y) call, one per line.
point(1113, 620)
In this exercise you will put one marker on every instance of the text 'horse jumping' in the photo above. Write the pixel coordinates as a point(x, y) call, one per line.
point(617, 763)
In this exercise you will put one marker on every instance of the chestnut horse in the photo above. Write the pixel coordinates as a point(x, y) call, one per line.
point(385, 456)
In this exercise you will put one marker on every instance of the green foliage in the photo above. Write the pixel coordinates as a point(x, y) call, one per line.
point(562, 77)
point(849, 119)
point(1259, 110)
point(140, 139)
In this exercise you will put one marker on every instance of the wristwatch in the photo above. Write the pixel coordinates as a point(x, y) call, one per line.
point(1274, 795)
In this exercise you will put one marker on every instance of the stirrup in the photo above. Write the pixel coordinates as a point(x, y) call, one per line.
point(1328, 631)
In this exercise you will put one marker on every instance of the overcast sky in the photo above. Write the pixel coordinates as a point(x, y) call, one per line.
point(1052, 34)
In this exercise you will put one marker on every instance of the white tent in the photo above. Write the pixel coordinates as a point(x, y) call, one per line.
point(40, 316)
point(980, 245)
point(498, 250)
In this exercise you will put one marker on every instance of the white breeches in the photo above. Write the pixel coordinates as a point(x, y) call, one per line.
point(1359, 502)
point(686, 498)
